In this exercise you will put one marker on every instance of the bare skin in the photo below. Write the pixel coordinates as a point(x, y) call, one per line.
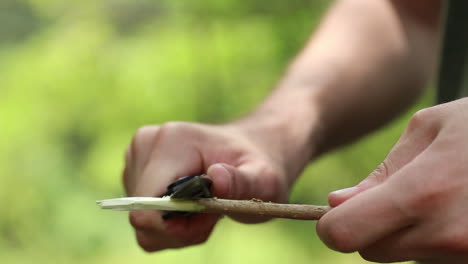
point(367, 62)
point(161, 154)
point(413, 206)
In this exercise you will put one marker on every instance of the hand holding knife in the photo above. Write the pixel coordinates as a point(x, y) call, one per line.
point(192, 195)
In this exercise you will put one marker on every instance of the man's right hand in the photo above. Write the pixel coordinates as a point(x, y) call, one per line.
point(240, 168)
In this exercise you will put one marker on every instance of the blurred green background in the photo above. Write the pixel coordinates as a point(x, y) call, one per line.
point(77, 78)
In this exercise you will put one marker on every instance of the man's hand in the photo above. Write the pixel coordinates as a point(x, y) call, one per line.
point(414, 205)
point(238, 167)
point(322, 102)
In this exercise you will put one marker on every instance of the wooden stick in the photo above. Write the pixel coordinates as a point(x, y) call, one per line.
point(260, 208)
point(253, 207)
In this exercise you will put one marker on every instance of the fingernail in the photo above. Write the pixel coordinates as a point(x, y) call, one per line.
point(338, 197)
point(344, 192)
point(222, 180)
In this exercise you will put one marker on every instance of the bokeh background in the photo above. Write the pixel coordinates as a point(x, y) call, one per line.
point(77, 78)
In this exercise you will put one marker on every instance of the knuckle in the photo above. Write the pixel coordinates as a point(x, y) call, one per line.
point(141, 134)
point(174, 130)
point(174, 126)
point(424, 125)
point(381, 172)
point(423, 118)
point(141, 131)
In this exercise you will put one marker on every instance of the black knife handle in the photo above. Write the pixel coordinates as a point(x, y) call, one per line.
point(188, 187)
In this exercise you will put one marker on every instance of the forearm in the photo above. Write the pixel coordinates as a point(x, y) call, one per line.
point(367, 62)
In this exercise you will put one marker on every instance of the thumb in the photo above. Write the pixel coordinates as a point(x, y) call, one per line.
point(246, 182)
point(229, 182)
point(410, 145)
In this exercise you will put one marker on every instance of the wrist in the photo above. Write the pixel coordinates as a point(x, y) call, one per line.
point(286, 127)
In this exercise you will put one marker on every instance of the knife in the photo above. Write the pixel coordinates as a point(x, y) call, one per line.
point(192, 194)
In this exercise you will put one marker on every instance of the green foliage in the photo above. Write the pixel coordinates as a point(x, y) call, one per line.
point(78, 78)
